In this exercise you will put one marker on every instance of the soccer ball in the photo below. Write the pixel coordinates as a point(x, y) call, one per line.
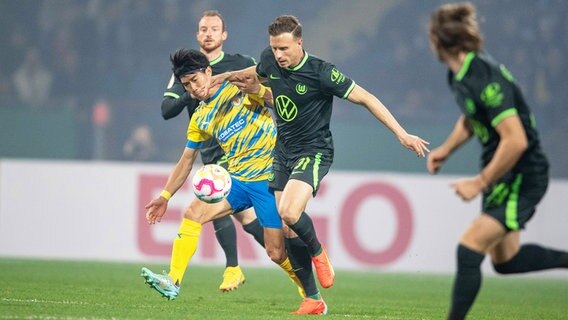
point(211, 183)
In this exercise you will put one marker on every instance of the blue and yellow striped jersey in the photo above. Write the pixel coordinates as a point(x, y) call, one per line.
point(243, 127)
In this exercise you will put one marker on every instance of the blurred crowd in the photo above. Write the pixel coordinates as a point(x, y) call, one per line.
point(81, 55)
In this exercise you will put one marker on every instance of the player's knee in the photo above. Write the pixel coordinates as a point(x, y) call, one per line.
point(288, 214)
point(504, 268)
point(277, 255)
point(193, 212)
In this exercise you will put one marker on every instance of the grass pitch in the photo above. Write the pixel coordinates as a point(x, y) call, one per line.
point(39, 289)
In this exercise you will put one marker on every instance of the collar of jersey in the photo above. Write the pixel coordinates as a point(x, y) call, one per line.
point(219, 58)
point(223, 85)
point(465, 66)
point(301, 64)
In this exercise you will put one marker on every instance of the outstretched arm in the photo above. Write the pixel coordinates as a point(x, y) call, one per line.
point(377, 108)
point(233, 75)
point(157, 207)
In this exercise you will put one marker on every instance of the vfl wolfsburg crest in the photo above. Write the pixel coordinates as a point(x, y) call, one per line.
point(301, 88)
point(492, 95)
point(286, 108)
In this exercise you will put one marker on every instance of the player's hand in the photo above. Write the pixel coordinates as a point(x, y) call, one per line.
point(156, 210)
point(415, 144)
point(246, 83)
point(436, 159)
point(469, 188)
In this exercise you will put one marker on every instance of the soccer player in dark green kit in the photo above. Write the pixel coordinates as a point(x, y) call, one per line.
point(303, 88)
point(210, 36)
point(514, 174)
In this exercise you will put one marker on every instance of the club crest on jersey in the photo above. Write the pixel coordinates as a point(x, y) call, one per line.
point(337, 76)
point(301, 88)
point(237, 100)
point(492, 95)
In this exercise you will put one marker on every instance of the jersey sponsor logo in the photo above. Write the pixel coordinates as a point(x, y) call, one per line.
point(286, 108)
point(336, 76)
point(301, 88)
point(492, 95)
point(231, 130)
point(273, 77)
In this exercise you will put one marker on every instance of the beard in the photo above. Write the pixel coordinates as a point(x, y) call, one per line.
point(209, 46)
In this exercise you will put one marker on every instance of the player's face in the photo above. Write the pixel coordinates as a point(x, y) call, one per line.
point(287, 50)
point(210, 34)
point(198, 84)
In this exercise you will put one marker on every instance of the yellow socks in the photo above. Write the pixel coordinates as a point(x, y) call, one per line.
point(287, 266)
point(184, 248)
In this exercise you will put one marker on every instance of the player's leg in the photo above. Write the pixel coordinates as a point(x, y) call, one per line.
point(233, 275)
point(185, 245)
point(226, 235)
point(250, 224)
point(292, 201)
point(509, 257)
point(301, 261)
point(295, 186)
point(483, 233)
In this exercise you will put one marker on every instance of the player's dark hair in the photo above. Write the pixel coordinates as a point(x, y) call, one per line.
point(454, 28)
point(214, 13)
point(285, 24)
point(186, 61)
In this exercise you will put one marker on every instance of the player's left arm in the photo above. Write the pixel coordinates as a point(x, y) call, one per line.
point(512, 144)
point(362, 97)
point(497, 98)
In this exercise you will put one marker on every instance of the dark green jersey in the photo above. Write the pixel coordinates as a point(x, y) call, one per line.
point(176, 99)
point(487, 93)
point(303, 98)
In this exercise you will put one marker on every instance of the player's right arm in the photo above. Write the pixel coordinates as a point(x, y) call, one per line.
point(157, 207)
point(176, 99)
point(461, 134)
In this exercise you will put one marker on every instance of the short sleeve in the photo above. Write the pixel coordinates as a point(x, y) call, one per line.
point(335, 82)
point(496, 95)
point(264, 62)
point(195, 136)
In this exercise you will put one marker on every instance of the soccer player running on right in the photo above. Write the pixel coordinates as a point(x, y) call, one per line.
point(303, 88)
point(514, 174)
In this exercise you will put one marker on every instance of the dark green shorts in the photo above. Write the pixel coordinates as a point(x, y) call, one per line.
point(512, 200)
point(310, 168)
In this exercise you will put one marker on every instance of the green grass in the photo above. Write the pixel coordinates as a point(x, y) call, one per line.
point(38, 289)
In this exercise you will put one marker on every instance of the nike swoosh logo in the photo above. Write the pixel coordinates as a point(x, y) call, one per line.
point(273, 77)
point(294, 172)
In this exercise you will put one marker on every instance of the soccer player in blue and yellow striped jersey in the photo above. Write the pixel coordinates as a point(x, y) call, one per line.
point(243, 127)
